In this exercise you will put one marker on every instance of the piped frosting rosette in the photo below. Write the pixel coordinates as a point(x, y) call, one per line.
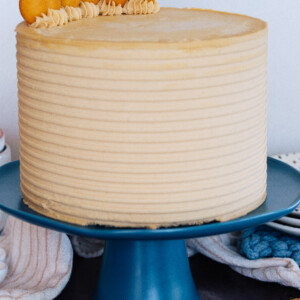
point(110, 8)
point(68, 14)
point(141, 7)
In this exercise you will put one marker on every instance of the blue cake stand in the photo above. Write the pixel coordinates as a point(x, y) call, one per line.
point(143, 264)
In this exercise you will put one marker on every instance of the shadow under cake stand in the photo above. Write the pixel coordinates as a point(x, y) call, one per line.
point(144, 264)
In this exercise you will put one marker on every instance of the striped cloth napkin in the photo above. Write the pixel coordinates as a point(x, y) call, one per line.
point(35, 263)
point(224, 249)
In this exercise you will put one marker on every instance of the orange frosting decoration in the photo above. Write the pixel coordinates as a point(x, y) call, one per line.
point(74, 3)
point(93, 1)
point(30, 9)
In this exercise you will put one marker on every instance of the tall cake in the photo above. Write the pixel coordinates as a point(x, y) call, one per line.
point(150, 120)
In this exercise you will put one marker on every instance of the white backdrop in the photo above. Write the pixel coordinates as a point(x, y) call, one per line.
point(284, 65)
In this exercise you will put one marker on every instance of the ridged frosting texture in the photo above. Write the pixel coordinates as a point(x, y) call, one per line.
point(167, 128)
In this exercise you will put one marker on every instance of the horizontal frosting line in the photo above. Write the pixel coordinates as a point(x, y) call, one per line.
point(76, 149)
point(253, 128)
point(129, 71)
point(146, 51)
point(91, 95)
point(142, 112)
point(142, 157)
point(38, 103)
point(145, 147)
point(210, 117)
point(152, 221)
point(46, 205)
point(157, 138)
point(63, 179)
point(233, 198)
point(71, 172)
point(89, 103)
point(189, 81)
point(136, 158)
point(144, 208)
point(98, 191)
point(141, 140)
point(145, 86)
point(129, 74)
point(142, 168)
point(163, 137)
point(70, 92)
point(97, 84)
point(33, 46)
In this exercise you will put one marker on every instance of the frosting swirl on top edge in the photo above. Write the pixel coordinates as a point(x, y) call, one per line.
point(58, 17)
point(110, 8)
point(74, 13)
point(141, 7)
point(52, 19)
point(89, 9)
point(68, 14)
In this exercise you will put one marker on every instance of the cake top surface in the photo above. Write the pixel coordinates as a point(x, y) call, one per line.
point(170, 25)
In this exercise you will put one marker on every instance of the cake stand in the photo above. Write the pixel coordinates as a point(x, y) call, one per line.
point(144, 264)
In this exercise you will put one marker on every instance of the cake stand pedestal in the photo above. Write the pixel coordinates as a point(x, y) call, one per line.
point(143, 264)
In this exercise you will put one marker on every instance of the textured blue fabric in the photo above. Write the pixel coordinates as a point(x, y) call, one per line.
point(263, 242)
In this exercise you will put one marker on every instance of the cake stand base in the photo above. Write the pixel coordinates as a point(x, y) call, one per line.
point(144, 264)
point(148, 270)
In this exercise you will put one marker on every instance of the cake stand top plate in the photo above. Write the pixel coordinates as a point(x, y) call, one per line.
point(283, 191)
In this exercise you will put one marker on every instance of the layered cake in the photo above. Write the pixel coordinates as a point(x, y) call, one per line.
point(150, 120)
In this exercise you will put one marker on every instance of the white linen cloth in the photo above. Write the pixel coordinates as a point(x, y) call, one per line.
point(223, 248)
point(35, 263)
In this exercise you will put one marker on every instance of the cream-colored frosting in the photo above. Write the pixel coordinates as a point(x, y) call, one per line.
point(74, 13)
point(110, 8)
point(65, 15)
point(141, 7)
point(52, 19)
point(89, 9)
point(68, 14)
point(164, 125)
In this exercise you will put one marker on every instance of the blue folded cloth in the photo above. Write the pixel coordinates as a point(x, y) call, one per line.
point(263, 242)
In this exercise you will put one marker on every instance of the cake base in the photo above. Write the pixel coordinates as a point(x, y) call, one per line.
point(85, 222)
